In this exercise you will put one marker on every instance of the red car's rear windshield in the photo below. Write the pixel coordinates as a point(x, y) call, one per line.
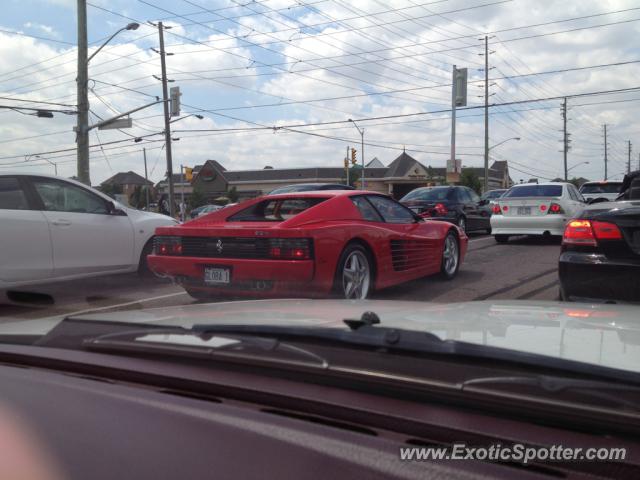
point(275, 210)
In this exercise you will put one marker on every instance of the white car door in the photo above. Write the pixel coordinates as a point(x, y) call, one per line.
point(26, 253)
point(86, 238)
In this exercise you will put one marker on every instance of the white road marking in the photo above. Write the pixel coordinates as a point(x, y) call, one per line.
point(142, 300)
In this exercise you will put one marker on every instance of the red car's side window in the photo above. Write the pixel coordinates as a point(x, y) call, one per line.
point(366, 209)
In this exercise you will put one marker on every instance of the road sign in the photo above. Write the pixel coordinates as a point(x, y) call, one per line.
point(461, 87)
point(117, 124)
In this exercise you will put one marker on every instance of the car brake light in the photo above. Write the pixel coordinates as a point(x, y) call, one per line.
point(289, 248)
point(496, 209)
point(505, 208)
point(606, 231)
point(168, 245)
point(543, 208)
point(440, 208)
point(555, 208)
point(578, 232)
point(585, 232)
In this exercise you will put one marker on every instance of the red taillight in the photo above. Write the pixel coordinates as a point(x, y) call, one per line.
point(168, 246)
point(578, 232)
point(505, 208)
point(606, 231)
point(543, 208)
point(290, 248)
point(496, 209)
point(555, 208)
point(585, 232)
point(440, 208)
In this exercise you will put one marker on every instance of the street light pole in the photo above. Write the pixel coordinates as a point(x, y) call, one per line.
point(504, 141)
point(55, 165)
point(167, 122)
point(82, 128)
point(82, 86)
point(576, 165)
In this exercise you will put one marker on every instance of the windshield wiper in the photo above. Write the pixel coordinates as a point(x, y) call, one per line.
point(369, 332)
point(184, 343)
point(553, 384)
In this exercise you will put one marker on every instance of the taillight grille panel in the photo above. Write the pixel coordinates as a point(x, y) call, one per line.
point(239, 247)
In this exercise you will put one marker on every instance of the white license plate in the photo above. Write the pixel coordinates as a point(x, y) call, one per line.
point(217, 275)
point(524, 210)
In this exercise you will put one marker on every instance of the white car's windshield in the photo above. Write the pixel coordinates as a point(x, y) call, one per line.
point(534, 191)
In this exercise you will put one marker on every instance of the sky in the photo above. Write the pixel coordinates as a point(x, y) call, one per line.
point(251, 67)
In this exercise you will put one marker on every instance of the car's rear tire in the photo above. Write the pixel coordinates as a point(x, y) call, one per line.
point(501, 238)
point(450, 263)
point(354, 275)
point(143, 266)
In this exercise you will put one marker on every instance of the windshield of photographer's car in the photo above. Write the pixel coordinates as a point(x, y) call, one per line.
point(138, 162)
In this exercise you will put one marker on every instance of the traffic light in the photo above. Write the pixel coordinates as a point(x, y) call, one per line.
point(354, 160)
point(188, 174)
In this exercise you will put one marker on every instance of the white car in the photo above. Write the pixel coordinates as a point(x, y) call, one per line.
point(57, 229)
point(608, 190)
point(535, 209)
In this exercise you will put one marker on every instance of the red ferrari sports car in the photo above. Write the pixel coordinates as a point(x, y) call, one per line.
point(306, 244)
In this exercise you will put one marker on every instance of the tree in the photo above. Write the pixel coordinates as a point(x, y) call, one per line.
point(232, 194)
point(197, 198)
point(468, 178)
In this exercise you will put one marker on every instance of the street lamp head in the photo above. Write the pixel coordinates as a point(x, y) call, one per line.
point(517, 138)
point(199, 117)
point(137, 140)
point(133, 26)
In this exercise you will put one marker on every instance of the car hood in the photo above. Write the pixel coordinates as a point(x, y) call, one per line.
point(606, 335)
point(626, 207)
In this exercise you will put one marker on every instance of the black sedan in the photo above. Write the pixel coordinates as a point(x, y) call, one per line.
point(600, 257)
point(455, 204)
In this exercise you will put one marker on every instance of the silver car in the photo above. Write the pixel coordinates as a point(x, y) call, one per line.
point(535, 209)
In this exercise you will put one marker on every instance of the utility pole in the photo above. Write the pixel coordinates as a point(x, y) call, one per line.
point(362, 182)
point(565, 139)
point(167, 127)
point(82, 127)
point(486, 114)
point(346, 165)
point(605, 151)
point(181, 191)
point(629, 157)
point(144, 153)
point(453, 115)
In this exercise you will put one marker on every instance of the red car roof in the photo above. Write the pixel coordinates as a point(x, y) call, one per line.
point(322, 193)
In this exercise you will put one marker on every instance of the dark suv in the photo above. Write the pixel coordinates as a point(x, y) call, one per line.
point(459, 205)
